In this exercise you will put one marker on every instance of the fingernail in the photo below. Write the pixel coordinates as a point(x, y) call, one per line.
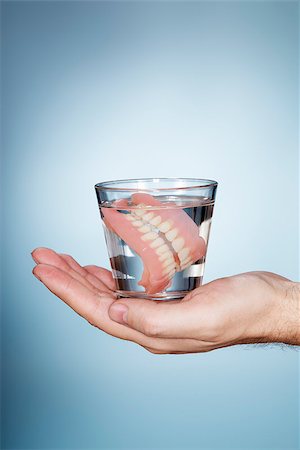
point(35, 260)
point(118, 313)
point(36, 276)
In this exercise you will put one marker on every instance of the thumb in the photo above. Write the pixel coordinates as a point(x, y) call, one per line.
point(156, 319)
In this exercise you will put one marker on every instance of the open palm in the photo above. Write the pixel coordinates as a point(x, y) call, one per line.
point(241, 309)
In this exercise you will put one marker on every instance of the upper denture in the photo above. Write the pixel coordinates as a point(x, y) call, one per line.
point(166, 239)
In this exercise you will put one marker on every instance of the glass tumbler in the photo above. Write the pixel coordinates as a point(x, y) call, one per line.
point(156, 231)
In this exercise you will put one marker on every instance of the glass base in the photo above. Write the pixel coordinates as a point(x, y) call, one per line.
point(175, 295)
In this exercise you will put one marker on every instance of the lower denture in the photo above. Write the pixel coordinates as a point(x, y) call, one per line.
point(156, 236)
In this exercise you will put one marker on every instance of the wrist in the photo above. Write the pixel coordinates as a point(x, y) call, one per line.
point(276, 312)
point(286, 326)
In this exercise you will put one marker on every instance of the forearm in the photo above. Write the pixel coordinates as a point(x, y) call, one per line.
point(282, 322)
point(288, 328)
point(273, 314)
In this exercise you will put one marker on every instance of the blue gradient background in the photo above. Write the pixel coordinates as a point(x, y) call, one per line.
point(96, 91)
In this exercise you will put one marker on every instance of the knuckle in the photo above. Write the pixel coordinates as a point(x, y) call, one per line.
point(66, 256)
point(151, 327)
point(68, 285)
point(85, 275)
point(100, 293)
point(51, 271)
point(92, 316)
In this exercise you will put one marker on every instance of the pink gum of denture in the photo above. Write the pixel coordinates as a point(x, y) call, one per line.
point(153, 278)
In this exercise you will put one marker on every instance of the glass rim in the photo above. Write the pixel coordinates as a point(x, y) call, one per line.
point(108, 185)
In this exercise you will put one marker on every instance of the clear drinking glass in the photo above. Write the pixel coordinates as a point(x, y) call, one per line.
point(156, 231)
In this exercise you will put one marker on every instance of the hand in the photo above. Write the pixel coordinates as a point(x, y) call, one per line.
point(246, 308)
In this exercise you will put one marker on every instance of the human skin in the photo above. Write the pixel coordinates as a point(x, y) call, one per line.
point(253, 307)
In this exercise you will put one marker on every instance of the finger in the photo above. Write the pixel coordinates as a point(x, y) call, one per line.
point(79, 297)
point(73, 264)
point(157, 319)
point(48, 256)
point(99, 284)
point(102, 274)
point(94, 308)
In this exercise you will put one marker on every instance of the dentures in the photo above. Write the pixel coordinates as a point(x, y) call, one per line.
point(166, 239)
